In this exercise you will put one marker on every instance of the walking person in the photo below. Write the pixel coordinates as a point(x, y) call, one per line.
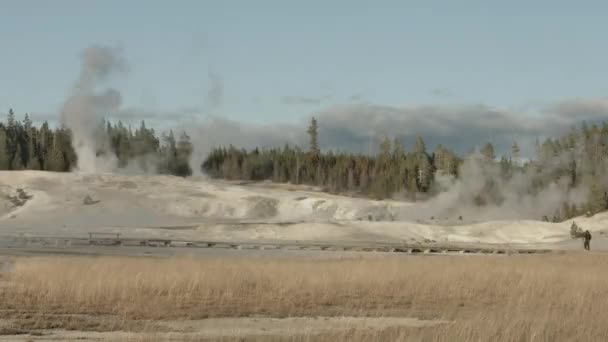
point(587, 240)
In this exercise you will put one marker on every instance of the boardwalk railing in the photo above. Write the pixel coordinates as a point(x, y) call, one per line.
point(115, 239)
point(97, 238)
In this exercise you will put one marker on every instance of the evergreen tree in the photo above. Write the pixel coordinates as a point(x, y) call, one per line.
point(169, 155)
point(10, 119)
point(46, 139)
point(420, 146)
point(398, 149)
point(11, 141)
point(55, 158)
point(16, 163)
point(488, 152)
point(313, 133)
point(386, 149)
point(506, 167)
point(515, 151)
point(27, 123)
point(34, 161)
point(4, 162)
point(183, 154)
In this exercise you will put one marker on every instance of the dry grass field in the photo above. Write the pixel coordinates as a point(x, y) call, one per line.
point(476, 298)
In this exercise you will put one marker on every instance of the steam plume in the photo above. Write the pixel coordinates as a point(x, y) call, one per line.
point(86, 105)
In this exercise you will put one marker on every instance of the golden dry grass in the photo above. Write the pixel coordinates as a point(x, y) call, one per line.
point(487, 298)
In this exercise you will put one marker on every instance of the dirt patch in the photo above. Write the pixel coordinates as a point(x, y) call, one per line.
point(249, 326)
point(262, 207)
point(88, 200)
point(215, 328)
point(376, 213)
point(19, 198)
point(41, 323)
point(127, 185)
point(200, 194)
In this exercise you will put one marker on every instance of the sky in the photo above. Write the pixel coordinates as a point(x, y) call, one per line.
point(273, 63)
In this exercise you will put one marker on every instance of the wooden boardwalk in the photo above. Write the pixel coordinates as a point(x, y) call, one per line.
point(99, 240)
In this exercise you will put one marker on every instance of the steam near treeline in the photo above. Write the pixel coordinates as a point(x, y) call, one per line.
point(85, 141)
point(565, 179)
point(25, 146)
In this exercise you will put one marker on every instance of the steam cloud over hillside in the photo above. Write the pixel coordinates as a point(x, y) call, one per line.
point(87, 105)
point(355, 127)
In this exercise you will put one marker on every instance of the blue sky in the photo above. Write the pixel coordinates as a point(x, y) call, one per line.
point(283, 60)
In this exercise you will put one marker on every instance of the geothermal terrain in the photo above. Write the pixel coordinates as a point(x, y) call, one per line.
point(56, 292)
point(164, 207)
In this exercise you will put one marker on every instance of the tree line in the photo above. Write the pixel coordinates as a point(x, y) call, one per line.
point(23, 146)
point(576, 159)
point(573, 160)
point(392, 170)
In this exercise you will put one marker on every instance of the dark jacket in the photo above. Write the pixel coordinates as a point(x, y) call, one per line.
point(587, 235)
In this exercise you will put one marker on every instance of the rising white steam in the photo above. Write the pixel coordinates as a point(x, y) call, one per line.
point(87, 105)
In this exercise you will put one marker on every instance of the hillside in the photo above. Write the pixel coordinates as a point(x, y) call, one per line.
point(198, 208)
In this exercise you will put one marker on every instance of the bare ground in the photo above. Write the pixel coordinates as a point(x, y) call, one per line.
point(211, 328)
point(196, 209)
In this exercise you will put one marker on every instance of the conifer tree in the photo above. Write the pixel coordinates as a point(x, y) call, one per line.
point(4, 162)
point(313, 133)
point(488, 152)
point(55, 158)
point(515, 151)
point(183, 154)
